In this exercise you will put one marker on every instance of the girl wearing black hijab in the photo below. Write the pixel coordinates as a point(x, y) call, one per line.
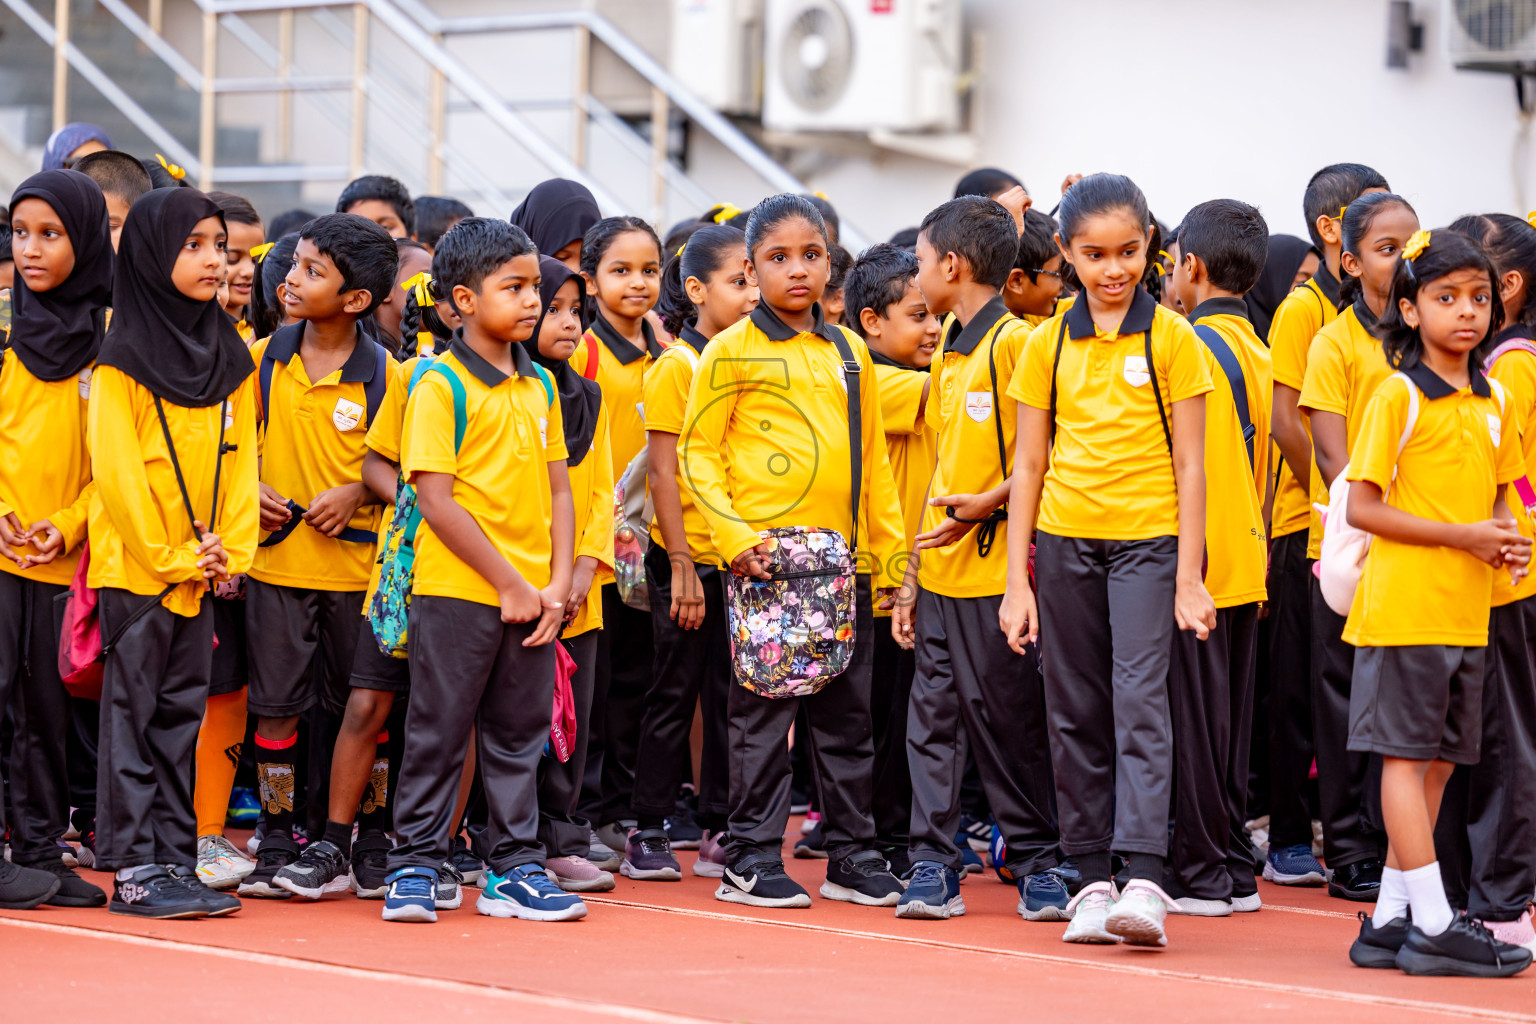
point(173, 436)
point(1283, 273)
point(561, 325)
point(63, 251)
point(556, 214)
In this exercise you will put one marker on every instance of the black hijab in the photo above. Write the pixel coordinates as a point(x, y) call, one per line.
point(580, 399)
point(185, 351)
point(556, 213)
point(58, 333)
point(1286, 254)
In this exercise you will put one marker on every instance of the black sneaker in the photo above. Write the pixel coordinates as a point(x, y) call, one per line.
point(24, 888)
point(812, 845)
point(758, 880)
point(219, 904)
point(1466, 949)
point(470, 867)
point(321, 870)
point(370, 865)
point(683, 829)
point(861, 878)
point(898, 860)
point(1377, 947)
point(276, 852)
point(153, 892)
point(73, 890)
point(1360, 881)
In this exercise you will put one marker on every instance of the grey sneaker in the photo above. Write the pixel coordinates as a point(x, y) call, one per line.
point(602, 855)
point(648, 857)
point(450, 888)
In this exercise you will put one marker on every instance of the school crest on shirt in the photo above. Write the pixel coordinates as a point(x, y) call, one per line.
point(978, 405)
point(543, 432)
point(346, 415)
point(1136, 373)
point(84, 379)
point(1495, 429)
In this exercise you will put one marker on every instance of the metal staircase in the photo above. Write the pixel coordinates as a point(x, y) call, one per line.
point(284, 100)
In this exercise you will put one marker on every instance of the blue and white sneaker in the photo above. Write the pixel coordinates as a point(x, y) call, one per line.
point(527, 892)
point(1293, 865)
point(411, 895)
point(932, 894)
point(970, 860)
point(1043, 897)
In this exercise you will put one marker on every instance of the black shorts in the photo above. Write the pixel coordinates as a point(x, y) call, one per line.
point(301, 647)
point(1420, 702)
point(372, 669)
point(230, 668)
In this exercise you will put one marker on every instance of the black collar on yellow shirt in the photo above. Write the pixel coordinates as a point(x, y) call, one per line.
point(1222, 305)
point(690, 334)
point(484, 371)
point(359, 367)
point(1434, 386)
point(767, 321)
point(1326, 284)
point(1137, 319)
point(1363, 314)
point(964, 340)
point(622, 348)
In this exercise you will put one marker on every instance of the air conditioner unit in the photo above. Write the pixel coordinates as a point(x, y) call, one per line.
point(1491, 35)
point(860, 65)
point(717, 52)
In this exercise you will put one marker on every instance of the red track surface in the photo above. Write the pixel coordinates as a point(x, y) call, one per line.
point(668, 951)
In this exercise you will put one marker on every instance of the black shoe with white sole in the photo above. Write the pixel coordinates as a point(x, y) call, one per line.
point(1466, 949)
point(321, 870)
point(861, 878)
point(153, 892)
point(275, 853)
point(759, 880)
point(219, 904)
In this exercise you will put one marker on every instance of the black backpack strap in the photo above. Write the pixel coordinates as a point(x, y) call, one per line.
point(1232, 367)
point(852, 372)
point(1061, 337)
point(1157, 392)
point(264, 378)
point(373, 390)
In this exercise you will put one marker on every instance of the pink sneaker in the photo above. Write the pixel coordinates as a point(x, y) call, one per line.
point(712, 861)
point(577, 874)
point(1518, 932)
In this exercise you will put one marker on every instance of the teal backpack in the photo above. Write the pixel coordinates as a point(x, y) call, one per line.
point(390, 608)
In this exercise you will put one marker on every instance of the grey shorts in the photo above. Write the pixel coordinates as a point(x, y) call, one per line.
point(372, 669)
point(301, 645)
point(1422, 702)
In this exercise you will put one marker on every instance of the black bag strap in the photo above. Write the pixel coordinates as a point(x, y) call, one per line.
point(852, 372)
point(1233, 369)
point(986, 532)
point(1157, 392)
point(1061, 337)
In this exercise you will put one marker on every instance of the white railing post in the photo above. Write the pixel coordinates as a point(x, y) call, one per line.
point(284, 73)
point(60, 64)
point(661, 112)
point(359, 89)
point(206, 128)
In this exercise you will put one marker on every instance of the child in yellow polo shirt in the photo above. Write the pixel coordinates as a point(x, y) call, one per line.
point(1112, 395)
point(1296, 322)
point(887, 309)
point(491, 582)
point(621, 260)
point(1437, 445)
point(1344, 366)
point(173, 441)
point(1034, 283)
point(972, 696)
point(704, 291)
point(320, 380)
point(64, 255)
point(245, 234)
point(758, 456)
point(1222, 248)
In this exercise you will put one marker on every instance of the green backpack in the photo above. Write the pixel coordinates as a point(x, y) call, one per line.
point(389, 610)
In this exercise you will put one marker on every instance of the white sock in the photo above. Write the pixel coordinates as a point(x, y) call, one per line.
point(1432, 913)
point(1392, 900)
point(123, 874)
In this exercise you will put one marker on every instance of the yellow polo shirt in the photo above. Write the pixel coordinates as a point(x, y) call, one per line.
point(970, 401)
point(666, 407)
point(621, 372)
point(1344, 367)
point(1462, 450)
point(313, 439)
point(592, 498)
point(910, 444)
point(1111, 473)
point(1516, 373)
point(1237, 551)
point(1299, 317)
point(500, 474)
point(45, 462)
point(766, 442)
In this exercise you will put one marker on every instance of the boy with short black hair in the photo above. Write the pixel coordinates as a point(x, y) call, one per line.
point(887, 309)
point(435, 215)
point(494, 556)
point(123, 180)
point(1222, 248)
point(1293, 527)
point(1034, 283)
point(321, 381)
point(245, 234)
point(971, 691)
point(383, 200)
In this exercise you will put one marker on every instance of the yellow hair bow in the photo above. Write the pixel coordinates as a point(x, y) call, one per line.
point(1416, 245)
point(259, 252)
point(726, 212)
point(1342, 211)
point(1530, 218)
point(421, 284)
point(680, 249)
point(176, 172)
point(819, 194)
point(1164, 254)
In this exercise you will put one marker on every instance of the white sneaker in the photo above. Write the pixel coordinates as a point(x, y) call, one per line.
point(1247, 904)
point(1192, 906)
point(219, 864)
point(1139, 914)
point(1088, 911)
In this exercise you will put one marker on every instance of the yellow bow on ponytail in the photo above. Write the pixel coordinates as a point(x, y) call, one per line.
point(259, 252)
point(725, 212)
point(1530, 218)
point(176, 172)
point(421, 284)
point(1417, 244)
